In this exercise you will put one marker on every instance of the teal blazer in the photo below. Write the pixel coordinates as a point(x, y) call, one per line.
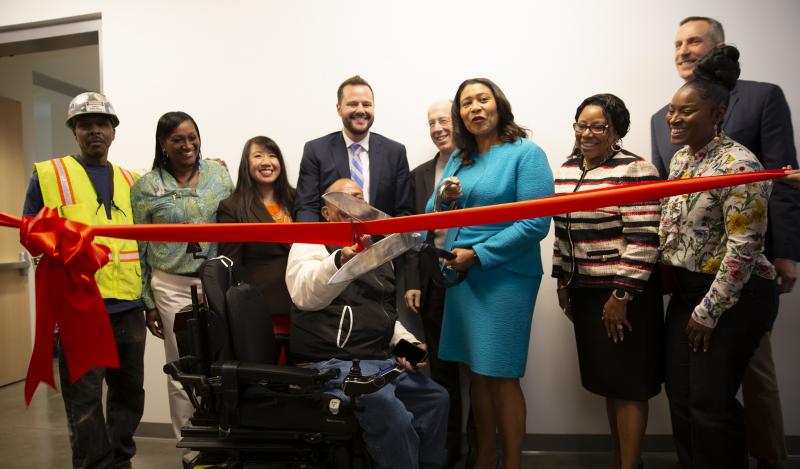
point(509, 172)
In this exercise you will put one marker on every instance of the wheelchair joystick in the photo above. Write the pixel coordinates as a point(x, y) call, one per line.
point(356, 384)
point(355, 370)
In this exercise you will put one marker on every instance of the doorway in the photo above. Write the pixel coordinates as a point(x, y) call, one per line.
point(43, 65)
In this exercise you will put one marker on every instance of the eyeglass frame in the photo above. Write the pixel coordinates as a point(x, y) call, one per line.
point(577, 128)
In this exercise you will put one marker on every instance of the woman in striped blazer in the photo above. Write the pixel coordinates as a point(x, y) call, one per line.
point(604, 260)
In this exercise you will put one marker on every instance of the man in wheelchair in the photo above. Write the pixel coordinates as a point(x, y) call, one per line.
point(404, 423)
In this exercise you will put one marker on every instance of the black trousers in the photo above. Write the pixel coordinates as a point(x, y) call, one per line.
point(100, 441)
point(445, 373)
point(707, 419)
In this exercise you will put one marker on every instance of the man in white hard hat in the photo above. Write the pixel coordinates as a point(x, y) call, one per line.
point(87, 188)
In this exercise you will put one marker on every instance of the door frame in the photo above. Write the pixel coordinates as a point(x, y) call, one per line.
point(43, 36)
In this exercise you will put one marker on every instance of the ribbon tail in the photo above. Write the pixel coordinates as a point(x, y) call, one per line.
point(40, 367)
point(84, 327)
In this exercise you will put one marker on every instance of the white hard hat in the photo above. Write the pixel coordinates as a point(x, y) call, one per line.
point(91, 103)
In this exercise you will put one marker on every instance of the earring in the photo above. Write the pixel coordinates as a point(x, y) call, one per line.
point(617, 146)
point(718, 133)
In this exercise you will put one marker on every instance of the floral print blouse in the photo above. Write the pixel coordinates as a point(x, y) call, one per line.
point(719, 232)
point(157, 198)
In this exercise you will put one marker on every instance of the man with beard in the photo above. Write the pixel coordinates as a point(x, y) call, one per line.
point(758, 117)
point(87, 188)
point(377, 164)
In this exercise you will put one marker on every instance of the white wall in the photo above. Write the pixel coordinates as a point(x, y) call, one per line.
point(256, 67)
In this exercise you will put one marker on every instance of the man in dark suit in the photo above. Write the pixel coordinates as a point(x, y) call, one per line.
point(757, 117)
point(378, 164)
point(422, 295)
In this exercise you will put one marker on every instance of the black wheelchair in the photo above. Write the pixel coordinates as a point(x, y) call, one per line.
point(251, 412)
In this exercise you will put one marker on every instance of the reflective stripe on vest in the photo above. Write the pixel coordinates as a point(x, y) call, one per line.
point(64, 184)
point(127, 176)
point(129, 256)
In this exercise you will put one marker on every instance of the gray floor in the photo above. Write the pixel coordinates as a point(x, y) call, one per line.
point(36, 437)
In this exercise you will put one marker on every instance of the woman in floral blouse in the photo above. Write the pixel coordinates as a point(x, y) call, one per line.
point(725, 286)
point(181, 188)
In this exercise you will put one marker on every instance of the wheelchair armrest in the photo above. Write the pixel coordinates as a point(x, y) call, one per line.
point(253, 373)
point(179, 371)
point(183, 366)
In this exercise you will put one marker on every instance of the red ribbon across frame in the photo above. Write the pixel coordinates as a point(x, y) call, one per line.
point(67, 294)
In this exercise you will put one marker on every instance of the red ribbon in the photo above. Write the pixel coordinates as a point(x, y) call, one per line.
point(67, 294)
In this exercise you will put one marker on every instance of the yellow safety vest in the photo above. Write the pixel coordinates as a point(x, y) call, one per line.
point(66, 187)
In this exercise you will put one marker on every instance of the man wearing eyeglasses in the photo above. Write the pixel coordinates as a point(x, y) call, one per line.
point(87, 188)
point(423, 295)
point(758, 117)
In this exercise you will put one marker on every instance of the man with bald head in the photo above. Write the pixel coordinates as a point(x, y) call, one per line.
point(757, 117)
point(405, 423)
point(422, 295)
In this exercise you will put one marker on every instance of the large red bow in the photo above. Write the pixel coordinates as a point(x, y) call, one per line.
point(67, 295)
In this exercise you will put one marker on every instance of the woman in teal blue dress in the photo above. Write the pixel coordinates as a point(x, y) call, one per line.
point(488, 315)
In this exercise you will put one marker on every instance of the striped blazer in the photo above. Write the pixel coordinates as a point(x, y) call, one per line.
point(609, 247)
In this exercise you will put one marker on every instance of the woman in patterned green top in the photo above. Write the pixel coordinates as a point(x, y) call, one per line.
point(726, 290)
point(181, 188)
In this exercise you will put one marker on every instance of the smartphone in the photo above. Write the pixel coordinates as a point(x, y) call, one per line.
point(409, 351)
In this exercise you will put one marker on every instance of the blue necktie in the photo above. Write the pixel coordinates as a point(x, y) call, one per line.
point(356, 168)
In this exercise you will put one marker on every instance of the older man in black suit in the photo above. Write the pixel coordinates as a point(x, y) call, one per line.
point(379, 165)
point(758, 117)
point(422, 295)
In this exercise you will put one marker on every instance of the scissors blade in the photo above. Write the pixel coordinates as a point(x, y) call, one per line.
point(354, 207)
point(376, 255)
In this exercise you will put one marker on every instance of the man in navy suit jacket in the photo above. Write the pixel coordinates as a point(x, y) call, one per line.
point(382, 165)
point(757, 117)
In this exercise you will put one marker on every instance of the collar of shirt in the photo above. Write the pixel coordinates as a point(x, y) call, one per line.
point(708, 148)
point(364, 142)
point(688, 164)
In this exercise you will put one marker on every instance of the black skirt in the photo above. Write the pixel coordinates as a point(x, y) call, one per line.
point(632, 369)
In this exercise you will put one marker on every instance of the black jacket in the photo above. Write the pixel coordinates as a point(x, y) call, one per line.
point(359, 323)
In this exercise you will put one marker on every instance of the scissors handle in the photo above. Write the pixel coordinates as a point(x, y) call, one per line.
point(444, 254)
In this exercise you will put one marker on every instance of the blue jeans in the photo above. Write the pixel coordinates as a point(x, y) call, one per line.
point(405, 423)
point(98, 441)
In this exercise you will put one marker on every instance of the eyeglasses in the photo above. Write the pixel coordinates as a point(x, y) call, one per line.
point(597, 129)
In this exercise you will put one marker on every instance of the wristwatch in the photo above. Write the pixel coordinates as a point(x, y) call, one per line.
point(624, 297)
